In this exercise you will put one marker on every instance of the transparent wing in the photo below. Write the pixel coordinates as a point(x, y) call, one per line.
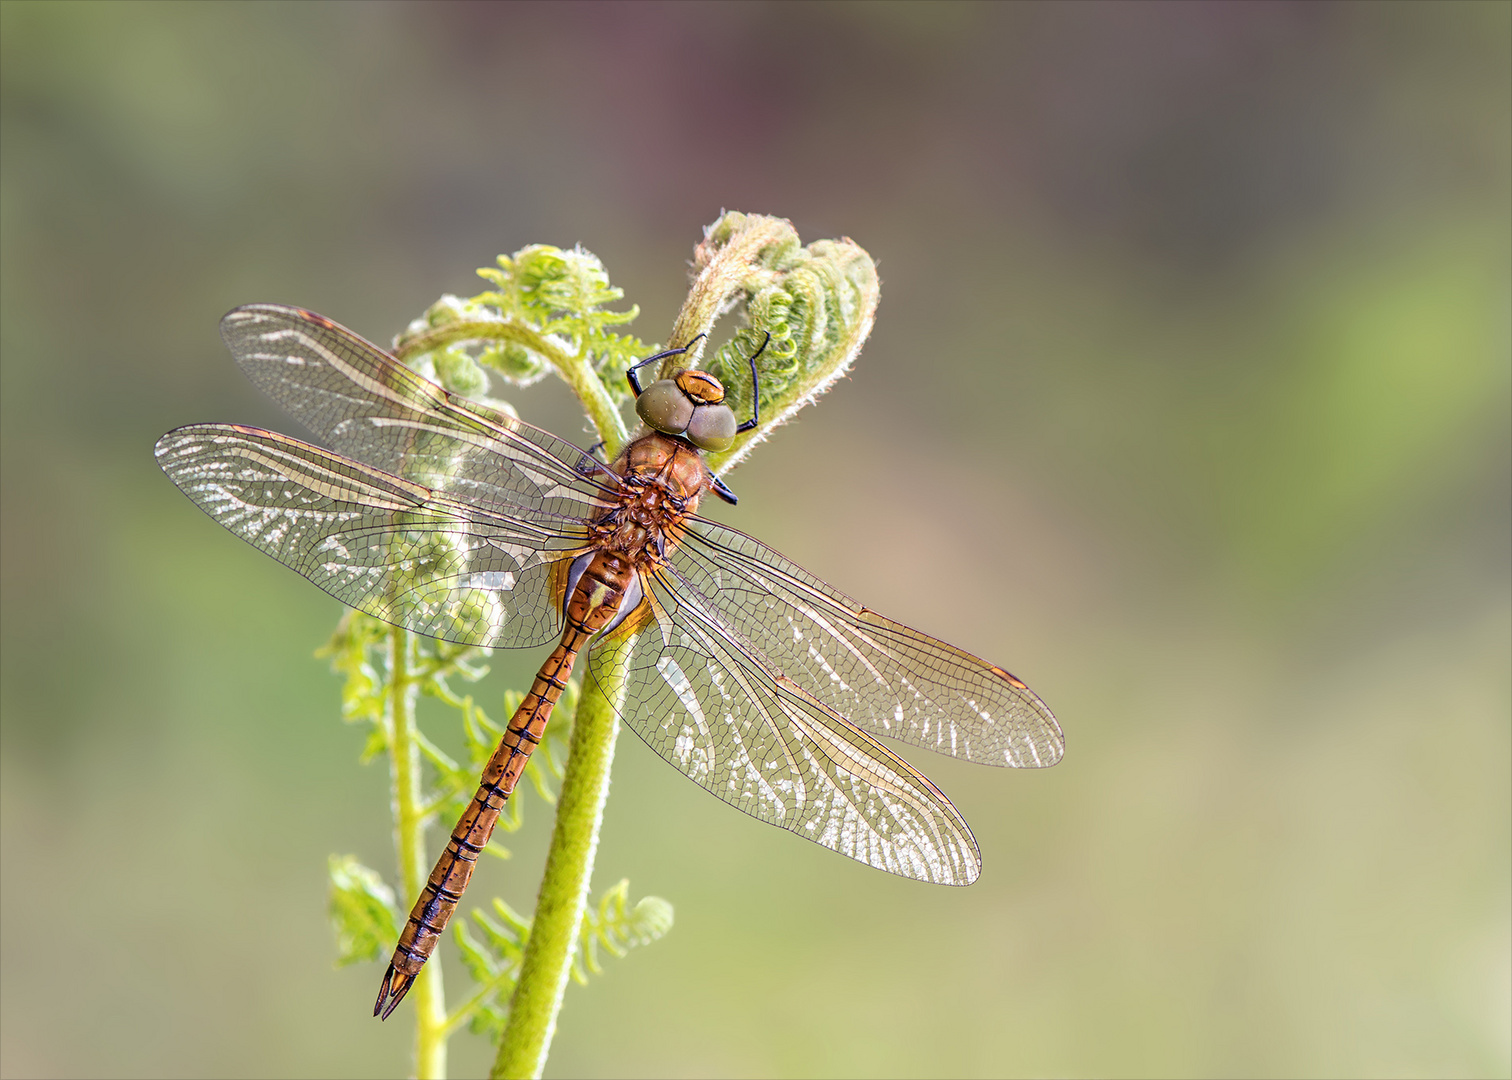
point(370, 407)
point(476, 575)
point(882, 676)
point(707, 701)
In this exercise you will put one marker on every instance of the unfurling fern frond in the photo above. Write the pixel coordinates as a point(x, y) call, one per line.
point(618, 927)
point(494, 962)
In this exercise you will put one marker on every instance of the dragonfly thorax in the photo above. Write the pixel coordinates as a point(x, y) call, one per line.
point(664, 480)
point(691, 405)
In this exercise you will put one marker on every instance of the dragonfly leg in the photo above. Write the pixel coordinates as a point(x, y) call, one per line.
point(631, 371)
point(724, 492)
point(755, 392)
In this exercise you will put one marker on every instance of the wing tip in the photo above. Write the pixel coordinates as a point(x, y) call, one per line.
point(244, 315)
point(250, 313)
point(1008, 677)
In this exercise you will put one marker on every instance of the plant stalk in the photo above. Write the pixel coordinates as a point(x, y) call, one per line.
point(575, 370)
point(409, 837)
point(547, 959)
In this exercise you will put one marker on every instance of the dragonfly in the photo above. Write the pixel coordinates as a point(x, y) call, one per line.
point(750, 676)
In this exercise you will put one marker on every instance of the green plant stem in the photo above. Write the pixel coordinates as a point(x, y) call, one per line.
point(409, 837)
point(727, 259)
point(575, 370)
point(547, 959)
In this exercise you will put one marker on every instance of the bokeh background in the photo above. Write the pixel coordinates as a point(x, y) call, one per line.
point(1188, 401)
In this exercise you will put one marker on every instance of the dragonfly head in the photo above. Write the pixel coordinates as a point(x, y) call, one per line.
point(690, 405)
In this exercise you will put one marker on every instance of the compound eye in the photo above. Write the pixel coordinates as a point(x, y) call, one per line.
point(712, 427)
point(664, 407)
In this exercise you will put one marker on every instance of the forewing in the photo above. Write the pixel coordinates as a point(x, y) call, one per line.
point(377, 542)
point(705, 700)
point(368, 406)
point(881, 675)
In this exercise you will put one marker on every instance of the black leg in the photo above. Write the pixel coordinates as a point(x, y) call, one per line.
point(755, 392)
point(630, 372)
point(723, 492)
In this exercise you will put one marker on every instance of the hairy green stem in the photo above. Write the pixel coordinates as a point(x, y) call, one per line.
point(409, 837)
point(726, 258)
point(575, 370)
point(547, 959)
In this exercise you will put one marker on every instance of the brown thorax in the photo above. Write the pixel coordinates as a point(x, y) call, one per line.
point(665, 478)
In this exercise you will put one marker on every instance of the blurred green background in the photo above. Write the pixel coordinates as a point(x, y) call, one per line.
point(1188, 401)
